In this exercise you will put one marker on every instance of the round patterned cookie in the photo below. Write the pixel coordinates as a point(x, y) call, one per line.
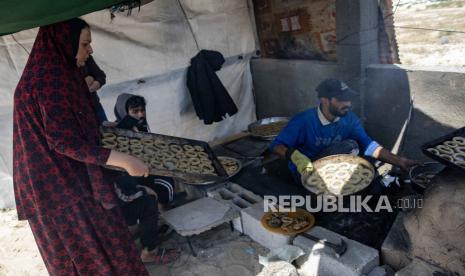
point(110, 136)
point(443, 149)
point(459, 139)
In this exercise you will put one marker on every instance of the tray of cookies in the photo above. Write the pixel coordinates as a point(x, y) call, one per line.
point(231, 165)
point(340, 174)
point(268, 128)
point(166, 155)
point(288, 223)
point(448, 149)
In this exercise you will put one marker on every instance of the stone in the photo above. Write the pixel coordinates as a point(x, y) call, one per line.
point(436, 231)
point(396, 247)
point(321, 260)
point(280, 268)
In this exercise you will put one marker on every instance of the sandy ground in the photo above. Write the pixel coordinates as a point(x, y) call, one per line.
point(426, 47)
point(220, 252)
point(18, 251)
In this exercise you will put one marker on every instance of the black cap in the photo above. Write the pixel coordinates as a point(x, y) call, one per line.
point(330, 88)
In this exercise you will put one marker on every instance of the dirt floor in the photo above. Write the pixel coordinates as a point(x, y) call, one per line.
point(219, 252)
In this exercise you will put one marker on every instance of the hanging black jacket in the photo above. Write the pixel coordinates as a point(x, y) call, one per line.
point(211, 100)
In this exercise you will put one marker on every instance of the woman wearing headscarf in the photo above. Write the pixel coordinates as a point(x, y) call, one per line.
point(60, 186)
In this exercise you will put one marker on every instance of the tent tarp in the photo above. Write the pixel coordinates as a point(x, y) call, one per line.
point(156, 45)
point(20, 15)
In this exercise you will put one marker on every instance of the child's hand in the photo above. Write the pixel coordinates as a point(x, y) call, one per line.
point(94, 86)
point(89, 80)
point(149, 191)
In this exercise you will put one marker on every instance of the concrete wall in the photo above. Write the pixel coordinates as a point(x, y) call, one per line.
point(286, 87)
point(438, 96)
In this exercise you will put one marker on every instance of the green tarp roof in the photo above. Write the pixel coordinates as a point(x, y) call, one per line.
point(17, 15)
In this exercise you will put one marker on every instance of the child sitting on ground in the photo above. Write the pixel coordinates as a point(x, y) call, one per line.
point(131, 114)
point(140, 196)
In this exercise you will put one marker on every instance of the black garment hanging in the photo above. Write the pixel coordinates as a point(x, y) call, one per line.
point(211, 100)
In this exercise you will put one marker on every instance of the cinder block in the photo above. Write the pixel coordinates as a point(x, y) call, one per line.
point(383, 270)
point(236, 197)
point(396, 246)
point(253, 228)
point(321, 260)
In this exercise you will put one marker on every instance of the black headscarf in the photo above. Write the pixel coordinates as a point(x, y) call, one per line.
point(76, 25)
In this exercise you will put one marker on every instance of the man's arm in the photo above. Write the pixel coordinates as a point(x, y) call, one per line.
point(372, 148)
point(384, 155)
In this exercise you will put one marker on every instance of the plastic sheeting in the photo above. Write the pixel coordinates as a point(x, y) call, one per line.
point(26, 14)
point(147, 54)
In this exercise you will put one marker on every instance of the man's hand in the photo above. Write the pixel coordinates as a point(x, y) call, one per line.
point(406, 164)
point(403, 163)
point(301, 161)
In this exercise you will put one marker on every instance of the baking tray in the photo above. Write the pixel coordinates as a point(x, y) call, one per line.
point(459, 132)
point(219, 170)
point(197, 182)
point(263, 122)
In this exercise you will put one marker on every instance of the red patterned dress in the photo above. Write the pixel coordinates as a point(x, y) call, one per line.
point(58, 181)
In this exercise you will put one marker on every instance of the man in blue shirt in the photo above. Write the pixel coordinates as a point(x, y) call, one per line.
point(330, 128)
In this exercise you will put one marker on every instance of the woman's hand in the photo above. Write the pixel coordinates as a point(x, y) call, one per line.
point(133, 165)
point(136, 167)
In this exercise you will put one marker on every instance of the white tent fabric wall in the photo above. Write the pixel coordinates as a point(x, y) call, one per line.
point(154, 45)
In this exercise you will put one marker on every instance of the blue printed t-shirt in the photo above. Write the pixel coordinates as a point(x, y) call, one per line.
point(310, 132)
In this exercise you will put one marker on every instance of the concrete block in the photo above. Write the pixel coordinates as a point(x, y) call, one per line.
point(198, 216)
point(396, 247)
point(320, 260)
point(384, 270)
point(237, 197)
point(420, 267)
point(253, 228)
